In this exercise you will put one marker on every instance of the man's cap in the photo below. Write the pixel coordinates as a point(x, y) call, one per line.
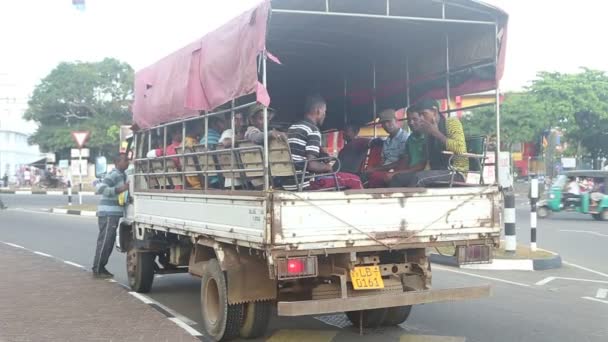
point(387, 115)
point(258, 107)
point(427, 103)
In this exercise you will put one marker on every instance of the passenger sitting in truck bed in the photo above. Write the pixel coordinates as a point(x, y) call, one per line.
point(193, 131)
point(305, 144)
point(442, 135)
point(217, 124)
point(176, 141)
point(353, 155)
point(239, 132)
point(255, 131)
point(393, 149)
point(415, 158)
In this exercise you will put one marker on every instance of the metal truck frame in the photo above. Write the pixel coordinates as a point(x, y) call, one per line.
point(362, 252)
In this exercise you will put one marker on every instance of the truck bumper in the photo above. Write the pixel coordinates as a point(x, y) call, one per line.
point(324, 306)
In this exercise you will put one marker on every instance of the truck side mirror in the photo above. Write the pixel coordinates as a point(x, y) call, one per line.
point(101, 167)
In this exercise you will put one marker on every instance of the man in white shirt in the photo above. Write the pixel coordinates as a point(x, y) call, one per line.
point(573, 192)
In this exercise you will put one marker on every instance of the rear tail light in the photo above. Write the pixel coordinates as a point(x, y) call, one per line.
point(298, 267)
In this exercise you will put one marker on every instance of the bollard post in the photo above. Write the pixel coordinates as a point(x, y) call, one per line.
point(69, 192)
point(533, 201)
point(509, 216)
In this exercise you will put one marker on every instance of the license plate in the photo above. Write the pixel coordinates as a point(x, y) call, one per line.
point(366, 278)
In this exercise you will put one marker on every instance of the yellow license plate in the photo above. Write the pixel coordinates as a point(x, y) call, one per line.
point(366, 278)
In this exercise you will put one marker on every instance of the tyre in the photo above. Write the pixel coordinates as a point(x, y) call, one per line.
point(397, 315)
point(542, 212)
point(597, 217)
point(371, 318)
point(256, 316)
point(604, 215)
point(221, 321)
point(140, 270)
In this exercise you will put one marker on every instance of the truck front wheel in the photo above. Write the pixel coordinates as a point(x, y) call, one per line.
point(140, 270)
point(372, 318)
point(222, 321)
point(397, 315)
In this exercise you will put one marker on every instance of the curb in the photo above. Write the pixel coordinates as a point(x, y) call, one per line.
point(502, 264)
point(74, 212)
point(45, 192)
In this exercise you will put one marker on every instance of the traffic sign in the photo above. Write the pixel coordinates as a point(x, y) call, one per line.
point(80, 137)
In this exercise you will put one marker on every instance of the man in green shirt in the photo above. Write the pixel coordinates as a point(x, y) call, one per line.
point(415, 158)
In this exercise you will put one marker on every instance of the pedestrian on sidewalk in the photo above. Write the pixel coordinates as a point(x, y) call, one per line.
point(109, 212)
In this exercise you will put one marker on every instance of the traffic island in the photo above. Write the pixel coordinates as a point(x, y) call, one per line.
point(81, 210)
point(522, 260)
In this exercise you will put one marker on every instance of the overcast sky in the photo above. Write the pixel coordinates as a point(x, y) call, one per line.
point(555, 35)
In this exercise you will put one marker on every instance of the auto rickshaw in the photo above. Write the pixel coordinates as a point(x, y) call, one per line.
point(594, 202)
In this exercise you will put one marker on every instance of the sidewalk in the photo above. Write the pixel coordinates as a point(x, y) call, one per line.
point(43, 299)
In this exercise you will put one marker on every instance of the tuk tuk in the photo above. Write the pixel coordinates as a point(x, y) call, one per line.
point(592, 201)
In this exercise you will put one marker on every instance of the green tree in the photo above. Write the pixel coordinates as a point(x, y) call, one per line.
point(578, 104)
point(521, 119)
point(82, 96)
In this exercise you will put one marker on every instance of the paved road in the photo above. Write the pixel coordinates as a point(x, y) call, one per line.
point(566, 305)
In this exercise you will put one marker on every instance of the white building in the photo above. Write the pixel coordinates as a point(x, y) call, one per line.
point(14, 131)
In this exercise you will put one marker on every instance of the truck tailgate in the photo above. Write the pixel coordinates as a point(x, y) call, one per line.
point(309, 220)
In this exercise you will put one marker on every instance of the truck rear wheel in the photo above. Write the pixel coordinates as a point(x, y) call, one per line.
point(221, 321)
point(372, 318)
point(140, 270)
point(255, 319)
point(397, 315)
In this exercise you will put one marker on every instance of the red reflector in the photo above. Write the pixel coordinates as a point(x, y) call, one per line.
point(295, 266)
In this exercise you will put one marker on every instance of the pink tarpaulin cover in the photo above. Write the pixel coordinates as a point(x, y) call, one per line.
point(205, 74)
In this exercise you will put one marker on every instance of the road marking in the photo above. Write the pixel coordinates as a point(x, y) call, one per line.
point(482, 277)
point(297, 335)
point(185, 326)
point(149, 300)
point(43, 254)
point(59, 211)
point(601, 293)
point(430, 338)
point(585, 268)
point(14, 245)
point(73, 264)
point(549, 279)
point(584, 231)
point(545, 281)
point(55, 193)
point(596, 300)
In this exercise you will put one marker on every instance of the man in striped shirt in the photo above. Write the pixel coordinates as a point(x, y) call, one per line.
point(109, 213)
point(304, 140)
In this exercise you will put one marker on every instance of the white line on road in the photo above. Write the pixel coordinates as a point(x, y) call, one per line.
point(596, 300)
point(73, 264)
point(601, 293)
point(545, 281)
point(585, 268)
point(141, 297)
point(43, 254)
point(584, 231)
point(549, 279)
point(482, 277)
point(14, 245)
point(149, 300)
point(185, 326)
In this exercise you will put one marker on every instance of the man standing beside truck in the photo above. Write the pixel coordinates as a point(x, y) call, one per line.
point(109, 212)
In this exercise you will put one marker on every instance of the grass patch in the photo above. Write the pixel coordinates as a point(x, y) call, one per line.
point(83, 207)
point(522, 252)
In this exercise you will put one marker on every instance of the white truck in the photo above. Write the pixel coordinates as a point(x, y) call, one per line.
point(363, 252)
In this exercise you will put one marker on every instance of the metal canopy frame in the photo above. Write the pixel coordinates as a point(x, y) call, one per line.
point(492, 25)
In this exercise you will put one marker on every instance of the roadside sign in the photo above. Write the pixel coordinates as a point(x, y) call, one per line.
point(50, 158)
point(77, 152)
point(79, 167)
point(80, 137)
point(63, 164)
